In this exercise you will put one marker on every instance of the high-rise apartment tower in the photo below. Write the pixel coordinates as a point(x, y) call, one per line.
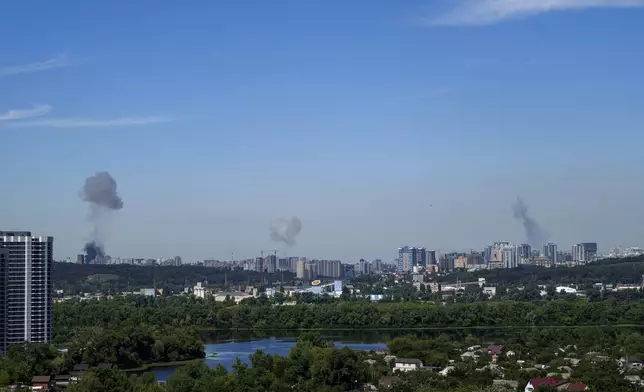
point(27, 288)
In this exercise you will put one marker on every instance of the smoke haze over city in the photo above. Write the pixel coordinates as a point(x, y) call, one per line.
point(376, 124)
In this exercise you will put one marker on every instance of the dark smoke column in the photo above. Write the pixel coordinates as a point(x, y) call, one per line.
point(285, 230)
point(100, 192)
point(535, 235)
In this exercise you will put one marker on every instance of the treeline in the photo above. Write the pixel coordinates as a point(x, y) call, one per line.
point(77, 278)
point(313, 365)
point(188, 311)
point(126, 348)
point(626, 271)
point(132, 347)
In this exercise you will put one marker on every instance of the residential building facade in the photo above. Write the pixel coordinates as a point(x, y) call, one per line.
point(28, 288)
point(550, 251)
point(4, 266)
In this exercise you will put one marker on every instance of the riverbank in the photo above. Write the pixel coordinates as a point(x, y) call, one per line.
point(227, 352)
point(152, 366)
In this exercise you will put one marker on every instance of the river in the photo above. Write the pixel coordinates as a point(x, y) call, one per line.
point(226, 352)
point(224, 347)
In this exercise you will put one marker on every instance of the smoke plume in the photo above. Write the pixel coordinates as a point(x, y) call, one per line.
point(92, 251)
point(285, 230)
point(101, 194)
point(535, 235)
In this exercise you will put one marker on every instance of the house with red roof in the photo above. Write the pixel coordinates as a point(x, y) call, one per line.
point(551, 382)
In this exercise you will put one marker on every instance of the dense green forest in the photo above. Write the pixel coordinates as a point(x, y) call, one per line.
point(182, 311)
point(79, 278)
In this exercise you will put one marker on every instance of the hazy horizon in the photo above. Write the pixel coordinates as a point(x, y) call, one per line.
point(377, 124)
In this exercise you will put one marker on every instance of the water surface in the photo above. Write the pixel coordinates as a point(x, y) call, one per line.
point(226, 352)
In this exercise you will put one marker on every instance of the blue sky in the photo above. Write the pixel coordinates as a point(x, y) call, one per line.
point(378, 123)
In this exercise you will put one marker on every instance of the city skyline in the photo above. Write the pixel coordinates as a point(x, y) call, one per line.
point(375, 124)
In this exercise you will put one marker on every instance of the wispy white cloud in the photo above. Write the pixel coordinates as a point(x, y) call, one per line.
point(62, 122)
point(484, 12)
point(56, 62)
point(19, 114)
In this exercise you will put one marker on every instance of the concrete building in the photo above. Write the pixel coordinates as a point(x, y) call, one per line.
point(430, 256)
point(420, 257)
point(199, 290)
point(510, 257)
point(259, 264)
point(550, 251)
point(447, 261)
point(524, 252)
point(305, 270)
point(329, 268)
point(584, 252)
point(4, 275)
point(363, 267)
point(406, 256)
point(80, 259)
point(270, 264)
point(497, 251)
point(236, 296)
point(407, 364)
point(349, 270)
point(376, 266)
point(27, 294)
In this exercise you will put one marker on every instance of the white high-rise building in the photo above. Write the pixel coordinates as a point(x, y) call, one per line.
point(550, 251)
point(27, 287)
point(510, 256)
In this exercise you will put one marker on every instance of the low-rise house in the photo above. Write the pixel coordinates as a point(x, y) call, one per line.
point(492, 368)
point(446, 371)
point(236, 296)
point(550, 382)
point(469, 355)
point(634, 379)
point(407, 364)
point(389, 359)
point(78, 371)
point(510, 354)
point(200, 290)
point(495, 349)
point(489, 291)
point(563, 376)
point(61, 381)
point(41, 383)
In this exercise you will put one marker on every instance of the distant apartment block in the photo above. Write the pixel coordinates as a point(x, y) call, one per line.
point(270, 264)
point(27, 287)
point(584, 252)
point(510, 256)
point(524, 252)
point(408, 257)
point(4, 275)
point(430, 257)
point(550, 252)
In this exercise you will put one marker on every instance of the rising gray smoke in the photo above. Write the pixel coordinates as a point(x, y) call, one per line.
point(285, 230)
point(101, 194)
point(535, 235)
